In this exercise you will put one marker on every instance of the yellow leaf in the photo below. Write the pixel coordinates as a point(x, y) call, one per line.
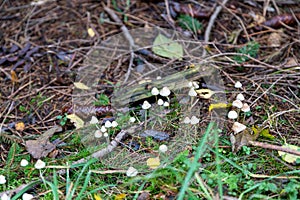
point(263, 132)
point(76, 120)
point(97, 197)
point(153, 163)
point(205, 93)
point(91, 32)
point(120, 196)
point(80, 85)
point(266, 133)
point(217, 106)
point(20, 126)
point(290, 158)
point(14, 77)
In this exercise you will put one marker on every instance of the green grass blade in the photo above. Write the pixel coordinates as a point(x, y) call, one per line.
point(199, 151)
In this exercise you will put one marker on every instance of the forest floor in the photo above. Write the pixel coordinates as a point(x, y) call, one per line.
point(155, 99)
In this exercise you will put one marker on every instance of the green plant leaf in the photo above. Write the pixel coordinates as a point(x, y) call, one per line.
point(251, 49)
point(189, 23)
point(290, 158)
point(166, 47)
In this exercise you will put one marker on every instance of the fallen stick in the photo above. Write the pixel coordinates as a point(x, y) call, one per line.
point(275, 147)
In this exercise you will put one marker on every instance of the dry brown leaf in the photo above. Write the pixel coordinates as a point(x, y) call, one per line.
point(41, 147)
point(274, 40)
point(242, 139)
point(14, 77)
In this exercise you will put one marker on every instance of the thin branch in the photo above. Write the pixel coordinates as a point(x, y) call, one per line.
point(211, 23)
point(274, 147)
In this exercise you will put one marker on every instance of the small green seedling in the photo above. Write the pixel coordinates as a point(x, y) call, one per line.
point(63, 119)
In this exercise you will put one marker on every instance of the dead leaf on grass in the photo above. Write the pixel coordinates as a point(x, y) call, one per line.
point(290, 158)
point(41, 147)
point(242, 139)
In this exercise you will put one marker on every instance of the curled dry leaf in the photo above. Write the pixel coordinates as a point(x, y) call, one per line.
point(205, 93)
point(41, 147)
point(242, 139)
point(279, 20)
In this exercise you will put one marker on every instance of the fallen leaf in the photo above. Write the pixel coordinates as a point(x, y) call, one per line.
point(41, 147)
point(279, 20)
point(153, 163)
point(290, 158)
point(120, 196)
point(218, 106)
point(14, 77)
point(205, 93)
point(263, 132)
point(20, 126)
point(166, 47)
point(78, 122)
point(81, 86)
point(274, 40)
point(97, 197)
point(91, 32)
point(242, 139)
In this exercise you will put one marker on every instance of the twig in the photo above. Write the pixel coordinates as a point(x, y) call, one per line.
point(168, 12)
point(265, 92)
point(126, 35)
point(274, 147)
point(103, 152)
point(211, 23)
point(123, 27)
